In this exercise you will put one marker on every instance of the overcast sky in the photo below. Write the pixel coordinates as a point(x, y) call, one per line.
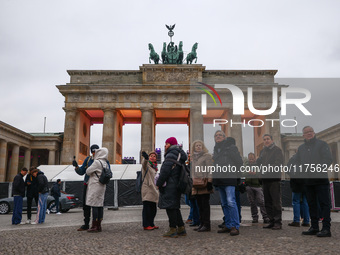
point(40, 40)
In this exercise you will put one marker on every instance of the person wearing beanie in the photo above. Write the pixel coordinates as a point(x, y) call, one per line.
point(170, 197)
point(82, 171)
point(149, 191)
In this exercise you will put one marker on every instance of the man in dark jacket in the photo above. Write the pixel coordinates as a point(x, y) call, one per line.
point(32, 193)
point(18, 188)
point(55, 192)
point(170, 197)
point(314, 152)
point(43, 194)
point(271, 157)
point(82, 171)
point(227, 156)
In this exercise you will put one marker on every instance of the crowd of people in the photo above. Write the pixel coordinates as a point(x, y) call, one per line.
point(310, 195)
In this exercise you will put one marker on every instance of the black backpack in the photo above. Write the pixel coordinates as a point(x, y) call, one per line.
point(106, 174)
point(185, 182)
point(140, 180)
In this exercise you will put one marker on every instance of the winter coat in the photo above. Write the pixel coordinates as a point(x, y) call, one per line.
point(55, 191)
point(42, 183)
point(32, 188)
point(270, 156)
point(297, 184)
point(199, 169)
point(169, 197)
point(252, 178)
point(18, 186)
point(82, 169)
point(95, 190)
point(149, 190)
point(316, 152)
point(226, 154)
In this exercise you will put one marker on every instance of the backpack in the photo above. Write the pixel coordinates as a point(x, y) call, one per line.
point(185, 182)
point(106, 174)
point(140, 180)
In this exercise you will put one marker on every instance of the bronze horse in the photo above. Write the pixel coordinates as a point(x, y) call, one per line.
point(192, 55)
point(153, 55)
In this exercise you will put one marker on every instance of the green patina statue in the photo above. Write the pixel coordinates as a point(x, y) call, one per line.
point(171, 54)
point(153, 55)
point(192, 55)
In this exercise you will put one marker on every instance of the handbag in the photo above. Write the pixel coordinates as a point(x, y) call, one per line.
point(199, 183)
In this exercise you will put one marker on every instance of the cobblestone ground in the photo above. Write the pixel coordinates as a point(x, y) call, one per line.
point(129, 238)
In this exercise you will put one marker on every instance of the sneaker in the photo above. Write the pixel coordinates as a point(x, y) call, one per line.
point(22, 223)
point(48, 211)
point(58, 213)
point(155, 227)
point(181, 231)
point(28, 221)
point(33, 223)
point(266, 221)
point(172, 233)
point(294, 224)
point(305, 225)
point(276, 227)
point(188, 221)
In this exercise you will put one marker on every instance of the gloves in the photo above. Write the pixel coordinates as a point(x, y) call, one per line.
point(74, 162)
point(209, 186)
point(145, 155)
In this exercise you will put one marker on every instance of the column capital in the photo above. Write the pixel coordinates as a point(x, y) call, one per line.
point(70, 109)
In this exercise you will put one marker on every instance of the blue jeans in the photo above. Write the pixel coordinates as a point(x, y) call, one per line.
point(194, 210)
point(300, 206)
point(229, 206)
point(42, 206)
point(17, 210)
point(56, 204)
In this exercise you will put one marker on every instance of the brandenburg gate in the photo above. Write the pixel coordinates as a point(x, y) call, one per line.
point(157, 94)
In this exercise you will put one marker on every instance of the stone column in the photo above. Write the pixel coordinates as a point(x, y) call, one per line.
point(273, 127)
point(13, 168)
point(69, 146)
point(235, 131)
point(35, 158)
point(109, 134)
point(27, 159)
point(147, 130)
point(337, 161)
point(196, 125)
point(51, 157)
point(3, 160)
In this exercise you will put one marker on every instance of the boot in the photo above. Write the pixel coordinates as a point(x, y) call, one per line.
point(171, 233)
point(94, 227)
point(181, 231)
point(100, 225)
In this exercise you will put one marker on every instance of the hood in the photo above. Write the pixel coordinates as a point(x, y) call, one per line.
point(175, 149)
point(40, 172)
point(101, 153)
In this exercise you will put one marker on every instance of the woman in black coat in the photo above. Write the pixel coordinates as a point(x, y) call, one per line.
point(170, 197)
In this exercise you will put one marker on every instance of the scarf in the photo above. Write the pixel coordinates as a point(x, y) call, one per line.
point(154, 165)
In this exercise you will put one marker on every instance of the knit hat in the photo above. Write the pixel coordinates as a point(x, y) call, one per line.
point(171, 140)
point(94, 147)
